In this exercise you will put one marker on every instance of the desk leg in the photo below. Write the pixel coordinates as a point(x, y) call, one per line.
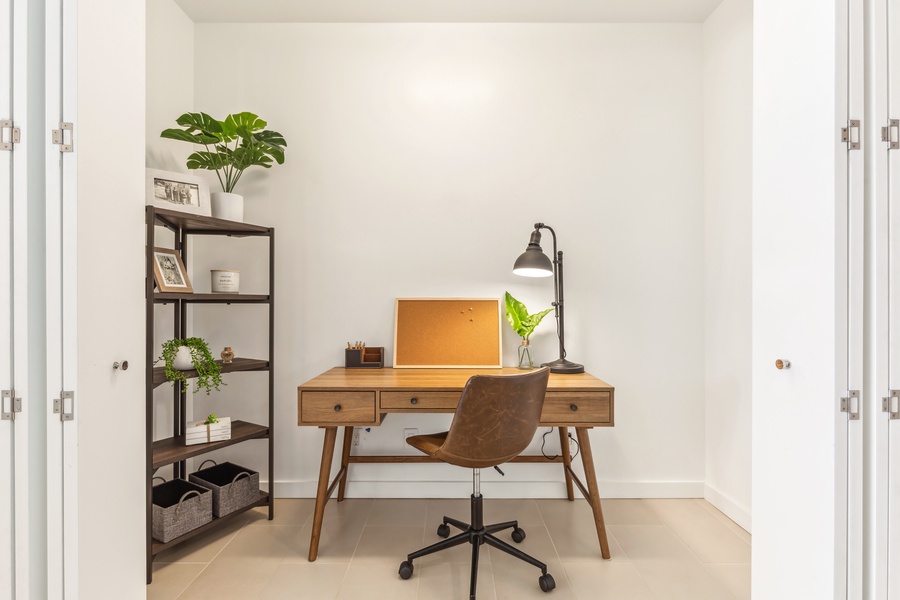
point(567, 460)
point(587, 460)
point(345, 461)
point(322, 491)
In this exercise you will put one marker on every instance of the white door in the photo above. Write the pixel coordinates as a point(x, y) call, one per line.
point(849, 310)
point(15, 402)
point(886, 287)
point(806, 498)
point(61, 225)
point(111, 323)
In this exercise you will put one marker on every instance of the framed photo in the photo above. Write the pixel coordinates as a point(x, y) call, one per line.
point(178, 191)
point(169, 271)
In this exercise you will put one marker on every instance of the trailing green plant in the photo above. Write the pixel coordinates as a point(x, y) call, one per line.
point(232, 146)
point(209, 372)
point(522, 322)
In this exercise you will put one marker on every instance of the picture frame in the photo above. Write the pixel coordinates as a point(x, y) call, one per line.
point(177, 191)
point(169, 272)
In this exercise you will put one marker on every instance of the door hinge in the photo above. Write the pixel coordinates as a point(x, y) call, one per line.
point(850, 134)
point(6, 142)
point(59, 137)
point(891, 404)
point(891, 134)
point(59, 406)
point(8, 398)
point(850, 405)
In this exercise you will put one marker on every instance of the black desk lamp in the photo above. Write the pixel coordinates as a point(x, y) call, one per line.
point(534, 263)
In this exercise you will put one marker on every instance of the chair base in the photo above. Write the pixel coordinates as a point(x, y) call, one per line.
point(477, 534)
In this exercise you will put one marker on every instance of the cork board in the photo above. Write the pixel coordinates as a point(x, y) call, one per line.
point(447, 332)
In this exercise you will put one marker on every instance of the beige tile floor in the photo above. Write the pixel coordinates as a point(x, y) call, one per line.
point(661, 550)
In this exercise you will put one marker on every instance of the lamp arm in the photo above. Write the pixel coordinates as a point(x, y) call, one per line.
point(557, 291)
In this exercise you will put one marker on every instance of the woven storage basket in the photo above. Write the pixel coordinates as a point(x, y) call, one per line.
point(178, 507)
point(233, 487)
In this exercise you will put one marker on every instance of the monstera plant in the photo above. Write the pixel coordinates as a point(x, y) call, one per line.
point(232, 146)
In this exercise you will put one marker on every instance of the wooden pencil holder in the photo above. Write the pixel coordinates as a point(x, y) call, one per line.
point(364, 358)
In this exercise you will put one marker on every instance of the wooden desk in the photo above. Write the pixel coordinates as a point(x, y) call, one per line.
point(351, 398)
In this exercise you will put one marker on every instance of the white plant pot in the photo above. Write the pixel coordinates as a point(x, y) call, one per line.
point(226, 205)
point(183, 360)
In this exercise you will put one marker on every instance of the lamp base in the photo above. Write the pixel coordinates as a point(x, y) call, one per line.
point(562, 365)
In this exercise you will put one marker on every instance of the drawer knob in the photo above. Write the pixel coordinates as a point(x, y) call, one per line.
point(782, 363)
point(337, 408)
point(573, 407)
point(413, 400)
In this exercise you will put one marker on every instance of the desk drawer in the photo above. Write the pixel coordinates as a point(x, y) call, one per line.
point(577, 408)
point(337, 408)
point(419, 400)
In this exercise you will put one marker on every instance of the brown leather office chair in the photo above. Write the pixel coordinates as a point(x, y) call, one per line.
point(495, 420)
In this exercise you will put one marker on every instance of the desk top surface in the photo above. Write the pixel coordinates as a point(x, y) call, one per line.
point(340, 378)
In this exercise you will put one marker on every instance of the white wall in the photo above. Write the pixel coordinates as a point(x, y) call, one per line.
point(170, 93)
point(170, 81)
point(727, 101)
point(109, 404)
point(419, 157)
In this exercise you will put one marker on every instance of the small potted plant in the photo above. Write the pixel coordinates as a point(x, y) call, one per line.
point(232, 146)
point(523, 324)
point(183, 354)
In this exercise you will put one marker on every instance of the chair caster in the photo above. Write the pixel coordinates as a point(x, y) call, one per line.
point(546, 582)
point(443, 530)
point(406, 571)
point(518, 534)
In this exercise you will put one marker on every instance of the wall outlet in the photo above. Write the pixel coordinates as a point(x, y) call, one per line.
point(356, 436)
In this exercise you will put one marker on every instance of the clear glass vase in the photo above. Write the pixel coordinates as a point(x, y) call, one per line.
point(526, 360)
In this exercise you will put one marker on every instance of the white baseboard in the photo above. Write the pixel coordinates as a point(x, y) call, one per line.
point(732, 509)
point(495, 489)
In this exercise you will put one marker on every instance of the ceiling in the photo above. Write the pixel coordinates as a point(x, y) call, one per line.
point(448, 11)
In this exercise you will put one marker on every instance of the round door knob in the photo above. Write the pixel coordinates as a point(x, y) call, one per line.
point(413, 400)
point(121, 365)
point(573, 407)
point(782, 363)
point(337, 408)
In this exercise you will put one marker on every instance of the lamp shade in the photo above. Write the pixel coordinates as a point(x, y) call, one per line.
point(533, 262)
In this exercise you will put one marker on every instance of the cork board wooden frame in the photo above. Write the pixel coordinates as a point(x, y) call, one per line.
point(447, 333)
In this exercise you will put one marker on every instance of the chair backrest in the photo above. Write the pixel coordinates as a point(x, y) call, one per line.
point(495, 420)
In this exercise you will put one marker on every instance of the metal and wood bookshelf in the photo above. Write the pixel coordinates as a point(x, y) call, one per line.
point(172, 450)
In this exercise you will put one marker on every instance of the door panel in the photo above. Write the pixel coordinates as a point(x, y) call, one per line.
point(14, 514)
point(800, 303)
point(7, 513)
point(61, 285)
point(850, 234)
point(887, 277)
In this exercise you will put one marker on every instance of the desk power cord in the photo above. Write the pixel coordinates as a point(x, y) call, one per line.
point(544, 442)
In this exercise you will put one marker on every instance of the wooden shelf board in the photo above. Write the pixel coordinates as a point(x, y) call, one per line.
point(174, 219)
point(157, 546)
point(164, 297)
point(172, 450)
point(237, 364)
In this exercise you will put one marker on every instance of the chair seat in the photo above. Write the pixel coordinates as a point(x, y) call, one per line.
point(432, 444)
point(428, 443)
